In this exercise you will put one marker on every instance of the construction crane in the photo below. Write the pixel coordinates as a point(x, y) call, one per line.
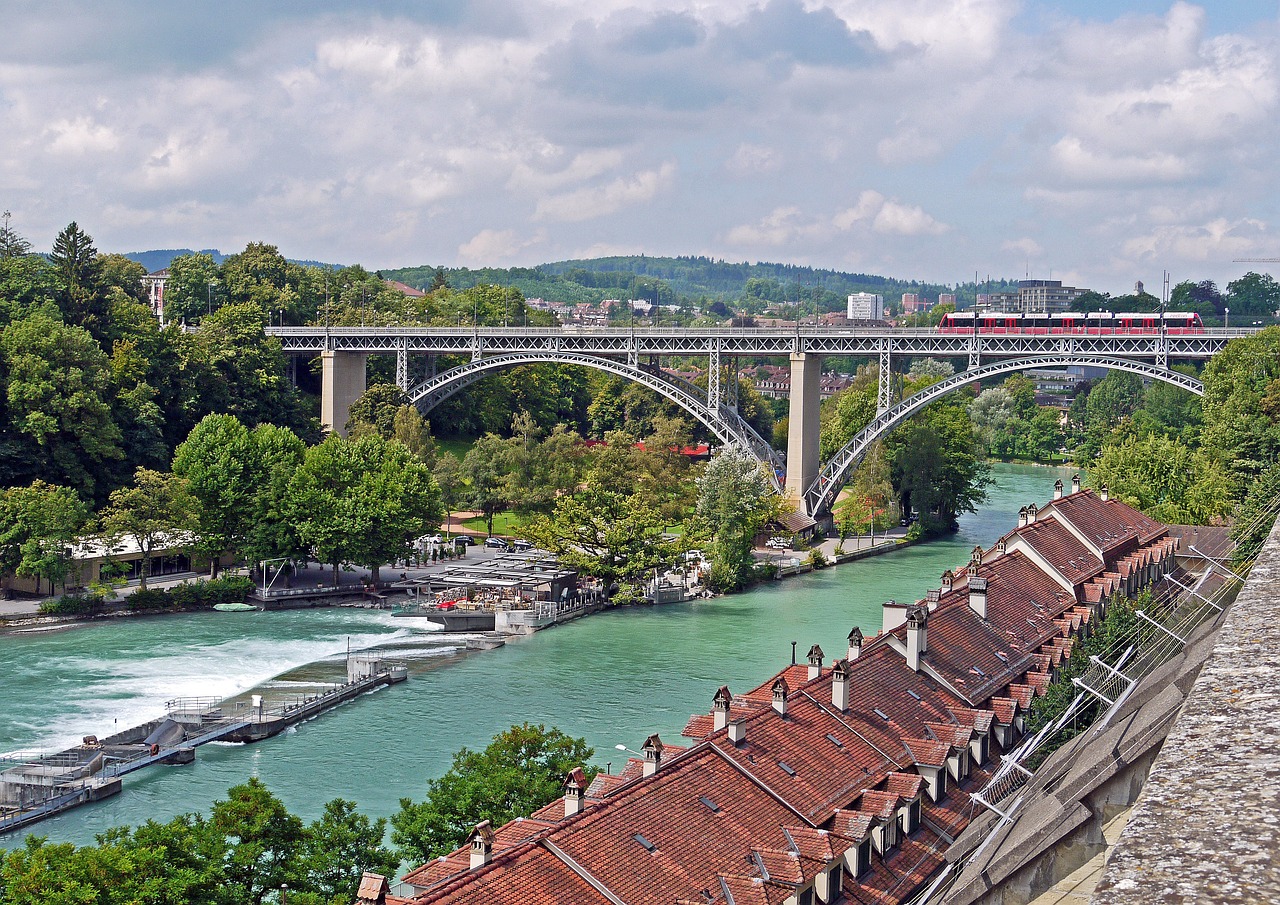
point(1256, 261)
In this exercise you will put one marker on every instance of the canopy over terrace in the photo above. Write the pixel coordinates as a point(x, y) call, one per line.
point(510, 578)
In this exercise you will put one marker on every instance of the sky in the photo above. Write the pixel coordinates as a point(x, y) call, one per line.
point(1099, 143)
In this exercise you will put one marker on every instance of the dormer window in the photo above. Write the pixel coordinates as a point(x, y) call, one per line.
point(909, 816)
point(859, 858)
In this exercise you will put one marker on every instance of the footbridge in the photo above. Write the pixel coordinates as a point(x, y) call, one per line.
point(433, 363)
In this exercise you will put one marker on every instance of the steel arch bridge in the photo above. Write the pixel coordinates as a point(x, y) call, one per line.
point(821, 494)
point(723, 420)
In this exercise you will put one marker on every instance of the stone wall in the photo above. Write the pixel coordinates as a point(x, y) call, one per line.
point(1206, 827)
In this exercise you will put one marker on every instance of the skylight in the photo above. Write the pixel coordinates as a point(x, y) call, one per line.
point(648, 846)
point(913, 694)
point(880, 713)
point(786, 769)
point(711, 805)
point(835, 741)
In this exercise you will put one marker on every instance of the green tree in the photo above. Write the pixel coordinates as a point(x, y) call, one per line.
point(272, 532)
point(376, 410)
point(363, 501)
point(1241, 407)
point(1253, 295)
point(521, 770)
point(448, 475)
point(148, 513)
point(735, 501)
point(1165, 479)
point(193, 289)
point(484, 468)
point(59, 394)
point(223, 472)
point(618, 538)
point(75, 260)
point(38, 525)
point(935, 465)
point(335, 851)
point(1202, 297)
point(262, 840)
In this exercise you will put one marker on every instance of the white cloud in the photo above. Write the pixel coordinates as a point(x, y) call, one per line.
point(1025, 246)
point(907, 220)
point(591, 202)
point(779, 227)
point(81, 136)
point(490, 245)
point(751, 159)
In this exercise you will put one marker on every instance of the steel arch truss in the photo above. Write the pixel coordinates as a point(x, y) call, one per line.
point(822, 492)
point(728, 426)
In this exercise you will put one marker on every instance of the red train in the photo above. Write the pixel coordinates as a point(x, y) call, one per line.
point(1095, 323)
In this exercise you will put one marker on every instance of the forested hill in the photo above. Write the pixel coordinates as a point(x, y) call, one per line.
point(159, 259)
point(678, 280)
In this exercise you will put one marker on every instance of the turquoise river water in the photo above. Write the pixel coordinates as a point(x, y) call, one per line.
point(612, 678)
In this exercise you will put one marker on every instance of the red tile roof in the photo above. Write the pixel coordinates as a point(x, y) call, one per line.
point(1061, 549)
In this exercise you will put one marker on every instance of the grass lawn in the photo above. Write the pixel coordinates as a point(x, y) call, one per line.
point(505, 523)
point(455, 447)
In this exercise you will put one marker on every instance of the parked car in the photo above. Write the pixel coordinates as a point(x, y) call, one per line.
point(464, 540)
point(520, 546)
point(495, 543)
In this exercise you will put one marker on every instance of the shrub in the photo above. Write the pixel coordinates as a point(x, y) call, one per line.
point(191, 595)
point(816, 559)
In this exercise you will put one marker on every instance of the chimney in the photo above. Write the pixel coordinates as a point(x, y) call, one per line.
point(652, 752)
point(738, 730)
point(1075, 483)
point(1022, 517)
point(932, 598)
point(978, 596)
point(481, 844)
point(1103, 493)
point(575, 791)
point(1031, 513)
point(1057, 489)
point(948, 578)
point(780, 690)
point(917, 635)
point(815, 662)
point(855, 643)
point(840, 685)
point(720, 707)
point(1001, 546)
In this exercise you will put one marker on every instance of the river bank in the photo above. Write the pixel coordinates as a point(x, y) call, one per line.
point(611, 679)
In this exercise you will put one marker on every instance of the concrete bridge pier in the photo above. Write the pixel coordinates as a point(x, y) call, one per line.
point(803, 429)
point(342, 382)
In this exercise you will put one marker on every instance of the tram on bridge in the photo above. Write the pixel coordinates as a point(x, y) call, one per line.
point(1095, 323)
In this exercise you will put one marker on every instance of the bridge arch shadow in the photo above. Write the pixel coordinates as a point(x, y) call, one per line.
point(821, 494)
point(726, 424)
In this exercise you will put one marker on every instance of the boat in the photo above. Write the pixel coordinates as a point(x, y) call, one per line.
point(487, 641)
point(235, 608)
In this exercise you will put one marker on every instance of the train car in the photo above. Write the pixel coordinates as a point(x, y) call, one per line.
point(1095, 323)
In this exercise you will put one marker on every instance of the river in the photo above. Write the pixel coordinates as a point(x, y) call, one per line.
point(612, 678)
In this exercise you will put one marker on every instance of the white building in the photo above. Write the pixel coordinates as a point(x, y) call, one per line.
point(865, 306)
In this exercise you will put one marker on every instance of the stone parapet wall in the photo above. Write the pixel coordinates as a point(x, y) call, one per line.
point(1206, 827)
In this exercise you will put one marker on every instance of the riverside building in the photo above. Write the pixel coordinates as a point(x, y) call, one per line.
point(830, 783)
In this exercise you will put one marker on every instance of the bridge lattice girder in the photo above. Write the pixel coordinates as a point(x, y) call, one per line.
point(822, 492)
point(728, 426)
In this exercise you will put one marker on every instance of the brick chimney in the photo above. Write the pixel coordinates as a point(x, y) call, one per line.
point(738, 730)
point(917, 635)
point(1103, 493)
point(932, 598)
point(840, 685)
point(948, 579)
point(815, 661)
point(1075, 483)
point(780, 690)
point(481, 844)
point(1057, 489)
point(652, 752)
point(720, 707)
point(855, 643)
point(575, 791)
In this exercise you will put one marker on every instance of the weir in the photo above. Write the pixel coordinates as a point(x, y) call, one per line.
point(35, 788)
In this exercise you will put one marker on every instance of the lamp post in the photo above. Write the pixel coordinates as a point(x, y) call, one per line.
point(1226, 318)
